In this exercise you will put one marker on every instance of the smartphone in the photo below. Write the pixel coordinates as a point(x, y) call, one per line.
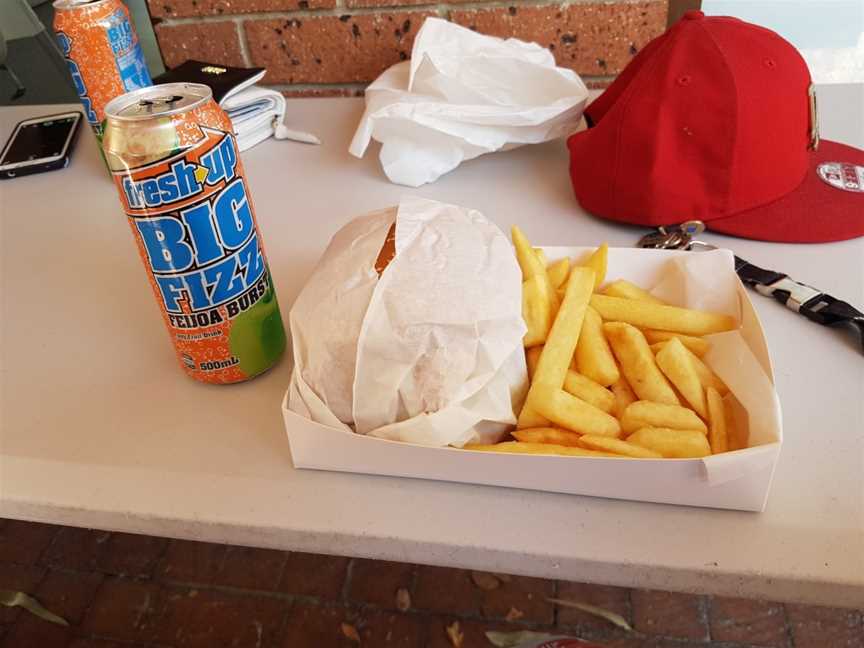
point(39, 144)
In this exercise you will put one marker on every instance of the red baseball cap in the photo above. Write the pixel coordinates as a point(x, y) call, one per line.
point(715, 120)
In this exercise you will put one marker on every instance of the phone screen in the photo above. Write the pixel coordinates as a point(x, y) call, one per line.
point(39, 140)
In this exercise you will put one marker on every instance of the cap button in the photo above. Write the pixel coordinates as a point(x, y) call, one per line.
point(693, 14)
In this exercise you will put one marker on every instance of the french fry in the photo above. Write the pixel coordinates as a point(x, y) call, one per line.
point(608, 444)
point(532, 355)
point(674, 444)
point(623, 396)
point(547, 435)
point(656, 316)
point(529, 417)
point(642, 414)
point(637, 363)
point(717, 438)
point(531, 263)
point(558, 272)
point(597, 262)
point(528, 260)
point(676, 362)
point(626, 290)
point(737, 436)
point(542, 256)
point(518, 447)
point(593, 357)
point(707, 377)
point(589, 391)
point(696, 344)
point(571, 412)
point(555, 358)
point(537, 309)
point(655, 348)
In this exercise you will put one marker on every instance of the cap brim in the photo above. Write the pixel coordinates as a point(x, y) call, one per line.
point(815, 212)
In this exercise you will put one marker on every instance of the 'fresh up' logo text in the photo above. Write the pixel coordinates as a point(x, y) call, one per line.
point(204, 253)
point(77, 80)
point(183, 179)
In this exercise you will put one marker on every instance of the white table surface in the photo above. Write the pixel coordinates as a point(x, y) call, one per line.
point(100, 428)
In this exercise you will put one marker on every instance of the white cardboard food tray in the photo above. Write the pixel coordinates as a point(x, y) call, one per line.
point(734, 480)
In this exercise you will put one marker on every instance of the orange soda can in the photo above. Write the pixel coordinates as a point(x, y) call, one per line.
point(174, 159)
point(100, 45)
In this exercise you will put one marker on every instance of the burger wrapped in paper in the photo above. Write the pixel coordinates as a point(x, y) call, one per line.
point(410, 328)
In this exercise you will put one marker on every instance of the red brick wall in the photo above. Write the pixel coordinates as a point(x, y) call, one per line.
point(333, 47)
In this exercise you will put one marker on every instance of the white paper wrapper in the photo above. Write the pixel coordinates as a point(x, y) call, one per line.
point(430, 353)
point(330, 310)
point(461, 95)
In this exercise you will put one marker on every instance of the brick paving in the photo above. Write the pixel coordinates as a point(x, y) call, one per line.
point(120, 590)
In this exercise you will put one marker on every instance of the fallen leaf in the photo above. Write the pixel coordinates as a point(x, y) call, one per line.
point(403, 599)
point(510, 639)
point(485, 580)
point(454, 634)
point(20, 599)
point(610, 616)
point(514, 614)
point(350, 632)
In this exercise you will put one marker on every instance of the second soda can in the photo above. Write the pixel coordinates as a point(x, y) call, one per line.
point(175, 162)
point(101, 49)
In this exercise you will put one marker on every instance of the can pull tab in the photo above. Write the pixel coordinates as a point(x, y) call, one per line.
point(672, 237)
point(166, 101)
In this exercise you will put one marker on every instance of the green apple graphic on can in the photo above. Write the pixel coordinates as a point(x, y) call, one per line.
point(257, 336)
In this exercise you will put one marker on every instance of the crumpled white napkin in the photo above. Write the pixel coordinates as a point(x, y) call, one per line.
point(461, 95)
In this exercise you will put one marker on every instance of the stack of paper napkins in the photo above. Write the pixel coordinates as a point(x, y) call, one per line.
point(429, 351)
point(461, 95)
point(258, 113)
